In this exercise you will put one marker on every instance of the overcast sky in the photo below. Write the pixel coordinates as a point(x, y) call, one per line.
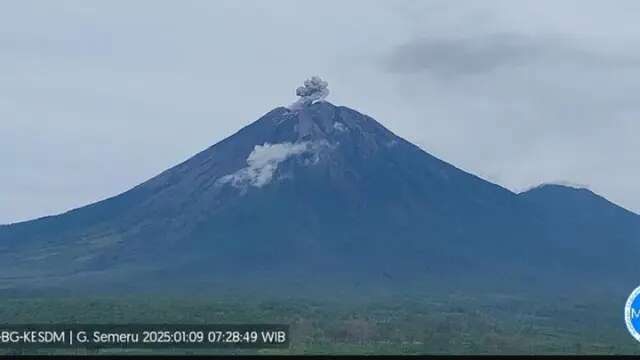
point(98, 96)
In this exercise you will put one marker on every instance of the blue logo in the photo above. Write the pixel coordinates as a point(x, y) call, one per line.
point(632, 314)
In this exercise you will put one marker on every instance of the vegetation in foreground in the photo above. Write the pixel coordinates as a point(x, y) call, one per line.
point(455, 324)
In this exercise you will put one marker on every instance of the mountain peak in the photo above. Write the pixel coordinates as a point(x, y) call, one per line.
point(559, 185)
point(322, 120)
point(315, 190)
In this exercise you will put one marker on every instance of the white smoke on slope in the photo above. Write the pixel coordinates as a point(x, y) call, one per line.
point(314, 89)
point(262, 164)
point(339, 126)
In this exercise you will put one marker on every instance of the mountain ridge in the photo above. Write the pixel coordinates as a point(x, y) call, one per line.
point(322, 191)
point(583, 190)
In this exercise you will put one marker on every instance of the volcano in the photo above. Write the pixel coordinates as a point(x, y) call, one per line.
point(323, 194)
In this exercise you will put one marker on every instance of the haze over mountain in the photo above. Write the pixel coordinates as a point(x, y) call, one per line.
point(323, 194)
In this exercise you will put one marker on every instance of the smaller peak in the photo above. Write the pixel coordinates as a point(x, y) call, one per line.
point(557, 186)
point(562, 195)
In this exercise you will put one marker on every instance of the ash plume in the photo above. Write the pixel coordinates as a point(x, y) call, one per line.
point(314, 89)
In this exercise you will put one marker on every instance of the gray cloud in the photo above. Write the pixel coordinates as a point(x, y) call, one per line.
point(483, 53)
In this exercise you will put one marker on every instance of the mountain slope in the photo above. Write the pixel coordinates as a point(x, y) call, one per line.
point(320, 193)
point(598, 236)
